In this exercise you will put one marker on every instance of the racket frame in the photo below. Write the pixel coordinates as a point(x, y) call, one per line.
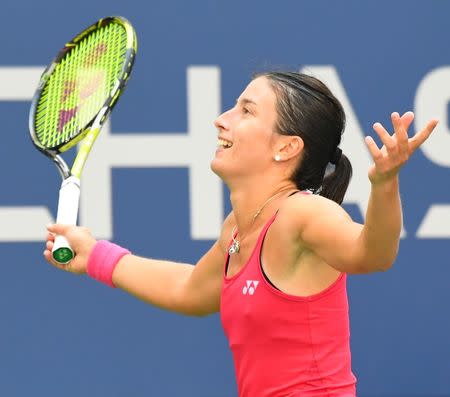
point(70, 186)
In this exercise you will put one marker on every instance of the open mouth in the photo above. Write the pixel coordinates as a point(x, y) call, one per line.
point(223, 143)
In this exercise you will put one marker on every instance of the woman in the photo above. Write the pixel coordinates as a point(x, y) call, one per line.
point(278, 270)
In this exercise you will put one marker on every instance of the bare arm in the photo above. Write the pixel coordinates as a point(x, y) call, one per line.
point(179, 287)
point(351, 247)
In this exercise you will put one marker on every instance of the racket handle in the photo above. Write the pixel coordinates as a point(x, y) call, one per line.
point(69, 197)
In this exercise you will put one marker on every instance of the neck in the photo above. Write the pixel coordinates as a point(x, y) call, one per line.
point(250, 198)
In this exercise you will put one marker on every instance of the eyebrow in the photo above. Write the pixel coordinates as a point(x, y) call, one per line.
point(245, 101)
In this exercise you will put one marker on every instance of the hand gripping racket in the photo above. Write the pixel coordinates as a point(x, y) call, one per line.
point(75, 95)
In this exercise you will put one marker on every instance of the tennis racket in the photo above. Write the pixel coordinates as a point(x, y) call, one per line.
point(75, 95)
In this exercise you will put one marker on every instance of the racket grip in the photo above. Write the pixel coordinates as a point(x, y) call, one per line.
point(69, 197)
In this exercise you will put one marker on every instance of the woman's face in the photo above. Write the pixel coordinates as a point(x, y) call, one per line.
point(246, 133)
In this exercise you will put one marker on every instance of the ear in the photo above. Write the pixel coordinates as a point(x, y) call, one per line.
point(288, 147)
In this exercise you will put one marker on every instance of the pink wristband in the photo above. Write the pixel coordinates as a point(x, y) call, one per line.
point(103, 260)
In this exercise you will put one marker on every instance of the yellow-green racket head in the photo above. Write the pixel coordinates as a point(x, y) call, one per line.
point(85, 79)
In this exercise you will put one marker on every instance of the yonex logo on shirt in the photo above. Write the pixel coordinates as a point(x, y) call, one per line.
point(250, 288)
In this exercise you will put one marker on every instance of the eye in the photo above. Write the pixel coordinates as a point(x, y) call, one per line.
point(245, 110)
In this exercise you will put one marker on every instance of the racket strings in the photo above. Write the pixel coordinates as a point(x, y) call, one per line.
point(80, 84)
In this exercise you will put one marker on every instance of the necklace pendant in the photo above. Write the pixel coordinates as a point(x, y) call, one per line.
point(234, 248)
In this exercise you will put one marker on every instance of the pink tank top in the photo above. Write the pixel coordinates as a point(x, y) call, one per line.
point(284, 345)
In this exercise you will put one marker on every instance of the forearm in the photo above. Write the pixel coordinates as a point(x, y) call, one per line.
point(382, 228)
point(157, 282)
point(179, 287)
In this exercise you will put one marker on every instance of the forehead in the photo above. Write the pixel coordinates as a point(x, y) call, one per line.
point(261, 92)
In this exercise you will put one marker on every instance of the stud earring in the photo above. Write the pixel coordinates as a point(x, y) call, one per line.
point(277, 157)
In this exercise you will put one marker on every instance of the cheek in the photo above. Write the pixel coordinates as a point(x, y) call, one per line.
point(253, 135)
point(254, 150)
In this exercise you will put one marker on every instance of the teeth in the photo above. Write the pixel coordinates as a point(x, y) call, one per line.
point(226, 144)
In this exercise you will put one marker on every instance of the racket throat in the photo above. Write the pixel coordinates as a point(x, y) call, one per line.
point(62, 167)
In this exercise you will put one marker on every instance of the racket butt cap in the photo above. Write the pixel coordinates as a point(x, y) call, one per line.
point(63, 255)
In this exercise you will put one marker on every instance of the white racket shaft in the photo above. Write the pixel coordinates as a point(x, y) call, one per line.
point(69, 197)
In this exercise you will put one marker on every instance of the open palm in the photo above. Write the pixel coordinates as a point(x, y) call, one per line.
point(397, 148)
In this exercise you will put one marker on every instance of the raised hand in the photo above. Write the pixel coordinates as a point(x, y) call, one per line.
point(397, 148)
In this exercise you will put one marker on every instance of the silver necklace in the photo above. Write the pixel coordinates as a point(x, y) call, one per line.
point(235, 246)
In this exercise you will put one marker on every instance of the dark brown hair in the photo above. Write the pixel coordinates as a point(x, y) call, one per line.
point(308, 109)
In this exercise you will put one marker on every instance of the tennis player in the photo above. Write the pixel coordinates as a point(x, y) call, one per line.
point(278, 271)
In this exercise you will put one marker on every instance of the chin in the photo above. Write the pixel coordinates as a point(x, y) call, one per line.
point(221, 169)
point(216, 168)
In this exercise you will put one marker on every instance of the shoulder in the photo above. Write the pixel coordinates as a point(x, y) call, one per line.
point(307, 204)
point(301, 209)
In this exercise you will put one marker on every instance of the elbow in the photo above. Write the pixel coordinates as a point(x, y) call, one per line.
point(385, 262)
point(196, 312)
point(385, 259)
point(379, 263)
point(372, 267)
point(199, 314)
point(192, 307)
point(384, 266)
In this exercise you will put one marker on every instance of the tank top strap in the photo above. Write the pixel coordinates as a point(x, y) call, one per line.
point(262, 236)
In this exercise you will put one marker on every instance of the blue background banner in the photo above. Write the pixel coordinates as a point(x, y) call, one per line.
point(148, 187)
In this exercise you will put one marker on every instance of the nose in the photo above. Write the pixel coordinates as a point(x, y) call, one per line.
point(222, 122)
point(218, 122)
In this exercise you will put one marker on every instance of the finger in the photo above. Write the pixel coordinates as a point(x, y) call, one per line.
point(50, 237)
point(407, 118)
point(58, 228)
point(373, 149)
point(49, 258)
point(422, 136)
point(49, 245)
point(400, 134)
point(47, 255)
point(385, 137)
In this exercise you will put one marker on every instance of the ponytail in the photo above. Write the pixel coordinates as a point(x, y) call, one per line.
point(335, 183)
